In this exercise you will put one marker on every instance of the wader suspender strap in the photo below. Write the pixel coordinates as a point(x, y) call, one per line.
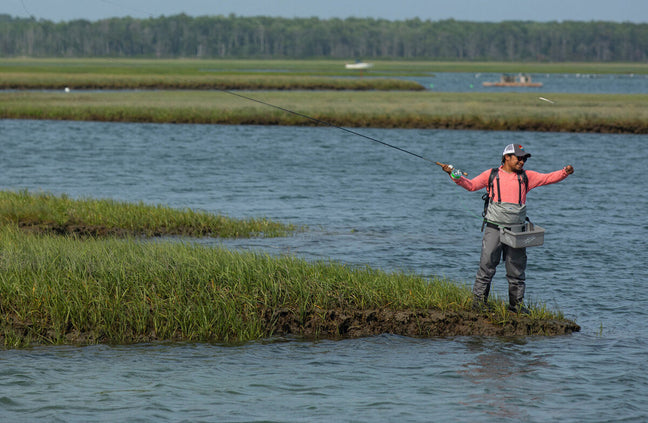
point(499, 191)
point(489, 193)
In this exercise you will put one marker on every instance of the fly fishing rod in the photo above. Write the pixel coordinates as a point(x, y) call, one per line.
point(323, 122)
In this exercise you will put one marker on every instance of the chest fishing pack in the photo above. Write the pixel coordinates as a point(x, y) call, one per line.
point(516, 230)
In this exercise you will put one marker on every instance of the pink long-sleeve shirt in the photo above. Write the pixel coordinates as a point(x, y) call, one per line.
point(509, 183)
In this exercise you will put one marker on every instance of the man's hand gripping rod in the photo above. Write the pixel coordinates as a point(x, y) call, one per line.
point(447, 168)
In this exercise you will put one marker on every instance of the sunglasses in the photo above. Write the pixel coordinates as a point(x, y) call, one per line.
point(522, 158)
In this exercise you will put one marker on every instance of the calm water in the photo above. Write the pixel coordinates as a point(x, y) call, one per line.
point(364, 204)
point(551, 83)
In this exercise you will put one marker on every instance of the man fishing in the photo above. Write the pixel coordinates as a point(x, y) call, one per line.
point(505, 205)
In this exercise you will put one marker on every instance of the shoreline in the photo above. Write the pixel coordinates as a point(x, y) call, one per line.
point(333, 324)
point(452, 123)
point(472, 123)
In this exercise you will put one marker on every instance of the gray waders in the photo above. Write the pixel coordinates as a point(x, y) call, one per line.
point(514, 258)
point(493, 250)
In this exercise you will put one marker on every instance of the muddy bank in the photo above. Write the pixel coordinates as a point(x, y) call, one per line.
point(79, 230)
point(100, 231)
point(413, 323)
point(329, 324)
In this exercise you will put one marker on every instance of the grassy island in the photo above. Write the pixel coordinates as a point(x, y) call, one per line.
point(187, 74)
point(62, 288)
point(623, 113)
point(48, 213)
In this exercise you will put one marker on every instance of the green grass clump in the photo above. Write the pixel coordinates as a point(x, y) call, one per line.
point(56, 289)
point(62, 214)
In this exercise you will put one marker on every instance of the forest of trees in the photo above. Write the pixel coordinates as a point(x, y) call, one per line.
point(302, 38)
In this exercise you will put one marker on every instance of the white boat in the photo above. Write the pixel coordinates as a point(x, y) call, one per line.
point(358, 65)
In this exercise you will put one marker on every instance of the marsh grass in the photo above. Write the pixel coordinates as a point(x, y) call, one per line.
point(66, 290)
point(57, 81)
point(612, 113)
point(125, 290)
point(62, 214)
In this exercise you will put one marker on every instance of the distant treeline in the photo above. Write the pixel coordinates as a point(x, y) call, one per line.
point(301, 38)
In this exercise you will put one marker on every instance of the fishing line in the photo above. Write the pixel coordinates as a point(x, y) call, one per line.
point(25, 7)
point(112, 3)
point(349, 131)
point(323, 122)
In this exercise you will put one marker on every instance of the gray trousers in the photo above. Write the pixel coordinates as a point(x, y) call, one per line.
point(491, 253)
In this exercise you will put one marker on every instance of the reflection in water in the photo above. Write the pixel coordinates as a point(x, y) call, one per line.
point(499, 370)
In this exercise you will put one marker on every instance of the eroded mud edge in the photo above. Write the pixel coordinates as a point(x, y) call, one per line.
point(413, 323)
